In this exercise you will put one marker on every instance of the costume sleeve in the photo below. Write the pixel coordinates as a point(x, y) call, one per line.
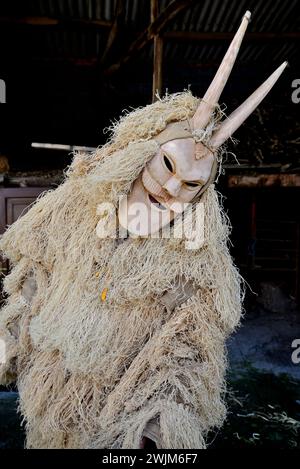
point(178, 377)
point(21, 287)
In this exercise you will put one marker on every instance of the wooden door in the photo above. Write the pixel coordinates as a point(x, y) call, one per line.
point(14, 203)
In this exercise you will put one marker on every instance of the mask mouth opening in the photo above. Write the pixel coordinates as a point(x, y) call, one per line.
point(156, 203)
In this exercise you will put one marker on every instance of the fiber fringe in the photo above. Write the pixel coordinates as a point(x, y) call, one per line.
point(92, 373)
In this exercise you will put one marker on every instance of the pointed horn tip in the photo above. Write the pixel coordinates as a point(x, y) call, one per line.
point(282, 66)
point(260, 94)
point(247, 15)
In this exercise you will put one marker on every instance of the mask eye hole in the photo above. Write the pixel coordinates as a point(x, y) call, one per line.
point(192, 184)
point(168, 163)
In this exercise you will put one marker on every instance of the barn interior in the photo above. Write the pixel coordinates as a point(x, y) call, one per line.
point(70, 68)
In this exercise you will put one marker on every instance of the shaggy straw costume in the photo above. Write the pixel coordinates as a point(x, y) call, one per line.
point(93, 372)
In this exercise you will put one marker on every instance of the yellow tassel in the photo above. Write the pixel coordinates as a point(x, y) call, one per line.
point(97, 274)
point(104, 294)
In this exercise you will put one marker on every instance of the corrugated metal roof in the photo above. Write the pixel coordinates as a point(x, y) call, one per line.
point(215, 16)
point(72, 104)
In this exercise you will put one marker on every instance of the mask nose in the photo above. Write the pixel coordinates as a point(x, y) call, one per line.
point(172, 186)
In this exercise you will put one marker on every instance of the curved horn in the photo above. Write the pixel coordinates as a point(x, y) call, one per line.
point(212, 95)
point(233, 122)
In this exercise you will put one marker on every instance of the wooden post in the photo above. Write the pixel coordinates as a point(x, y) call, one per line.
point(157, 55)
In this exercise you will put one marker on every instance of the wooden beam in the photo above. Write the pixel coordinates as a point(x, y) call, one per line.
point(157, 54)
point(119, 16)
point(49, 21)
point(264, 180)
point(170, 35)
point(154, 10)
point(47, 180)
point(226, 36)
point(155, 27)
point(157, 67)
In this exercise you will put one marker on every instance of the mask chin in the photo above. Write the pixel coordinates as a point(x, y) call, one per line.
point(142, 214)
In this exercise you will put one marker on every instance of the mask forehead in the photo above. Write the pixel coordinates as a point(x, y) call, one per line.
point(187, 167)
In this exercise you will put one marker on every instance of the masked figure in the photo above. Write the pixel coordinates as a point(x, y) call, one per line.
point(112, 340)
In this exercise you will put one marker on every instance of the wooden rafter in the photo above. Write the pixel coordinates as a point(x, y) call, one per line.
point(155, 27)
point(43, 21)
point(226, 36)
point(119, 16)
point(264, 180)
